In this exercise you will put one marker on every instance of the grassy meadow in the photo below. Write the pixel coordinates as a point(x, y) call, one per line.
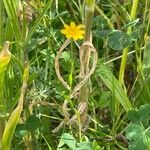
point(75, 75)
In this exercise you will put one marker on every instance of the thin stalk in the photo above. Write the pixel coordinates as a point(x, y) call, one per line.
point(125, 51)
point(72, 67)
point(89, 11)
point(84, 91)
point(1, 22)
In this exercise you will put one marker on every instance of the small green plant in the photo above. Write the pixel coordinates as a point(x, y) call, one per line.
point(138, 131)
point(68, 142)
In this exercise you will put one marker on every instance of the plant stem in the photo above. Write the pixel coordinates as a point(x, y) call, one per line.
point(72, 67)
point(125, 51)
point(89, 11)
point(84, 91)
point(1, 22)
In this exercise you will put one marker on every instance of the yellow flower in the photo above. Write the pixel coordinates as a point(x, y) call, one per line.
point(73, 31)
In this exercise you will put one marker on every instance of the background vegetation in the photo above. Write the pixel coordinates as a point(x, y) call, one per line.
point(34, 103)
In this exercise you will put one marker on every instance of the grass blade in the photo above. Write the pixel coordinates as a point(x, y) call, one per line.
point(114, 86)
point(4, 60)
point(12, 14)
point(146, 60)
point(5, 56)
point(15, 115)
point(38, 21)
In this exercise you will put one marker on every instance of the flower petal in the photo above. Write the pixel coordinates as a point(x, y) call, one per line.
point(68, 36)
point(72, 25)
point(80, 26)
point(73, 31)
point(81, 32)
point(81, 37)
point(63, 31)
point(66, 27)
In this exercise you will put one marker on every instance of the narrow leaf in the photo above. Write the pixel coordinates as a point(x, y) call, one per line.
point(114, 86)
point(146, 60)
point(5, 56)
point(15, 115)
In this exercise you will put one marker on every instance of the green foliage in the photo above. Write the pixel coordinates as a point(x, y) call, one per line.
point(146, 60)
point(68, 141)
point(116, 25)
point(118, 40)
point(114, 86)
point(15, 115)
point(5, 57)
point(11, 10)
point(138, 131)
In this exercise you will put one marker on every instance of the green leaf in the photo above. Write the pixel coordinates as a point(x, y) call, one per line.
point(100, 23)
point(134, 131)
point(111, 82)
point(146, 60)
point(103, 100)
point(84, 146)
point(134, 117)
point(119, 40)
point(135, 35)
point(130, 24)
point(15, 115)
point(146, 139)
point(33, 123)
point(10, 6)
point(67, 139)
point(144, 112)
point(137, 145)
point(21, 131)
point(5, 57)
point(102, 34)
point(96, 146)
point(66, 56)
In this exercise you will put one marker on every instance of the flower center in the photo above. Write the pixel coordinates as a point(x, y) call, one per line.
point(72, 31)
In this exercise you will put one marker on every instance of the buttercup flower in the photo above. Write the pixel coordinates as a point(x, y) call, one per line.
point(73, 31)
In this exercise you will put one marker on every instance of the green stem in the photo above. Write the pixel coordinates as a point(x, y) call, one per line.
point(2, 126)
point(1, 22)
point(125, 51)
point(84, 59)
point(89, 11)
point(72, 67)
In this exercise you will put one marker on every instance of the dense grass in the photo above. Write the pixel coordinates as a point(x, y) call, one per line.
point(57, 93)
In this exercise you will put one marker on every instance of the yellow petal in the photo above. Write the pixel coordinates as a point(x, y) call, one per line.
point(81, 32)
point(72, 25)
point(68, 36)
point(76, 37)
point(66, 27)
point(80, 26)
point(63, 31)
point(81, 37)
